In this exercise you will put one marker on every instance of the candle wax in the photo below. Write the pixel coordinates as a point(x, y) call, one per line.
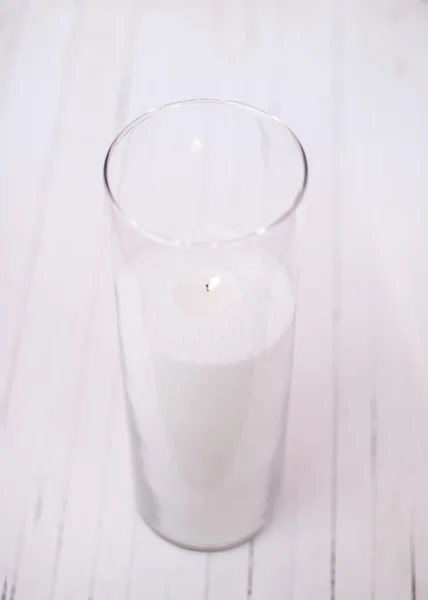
point(207, 375)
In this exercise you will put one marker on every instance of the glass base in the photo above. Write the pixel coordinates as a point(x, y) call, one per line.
point(208, 547)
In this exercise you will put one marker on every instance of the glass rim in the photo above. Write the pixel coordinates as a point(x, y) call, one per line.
point(255, 233)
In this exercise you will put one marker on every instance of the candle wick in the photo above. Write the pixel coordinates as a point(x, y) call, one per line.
point(212, 283)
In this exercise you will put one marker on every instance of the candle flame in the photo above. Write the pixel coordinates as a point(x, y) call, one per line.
point(213, 282)
point(196, 145)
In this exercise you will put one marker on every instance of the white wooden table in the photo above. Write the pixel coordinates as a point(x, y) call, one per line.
point(351, 77)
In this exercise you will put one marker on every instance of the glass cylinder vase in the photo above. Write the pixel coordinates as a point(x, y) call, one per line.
point(203, 197)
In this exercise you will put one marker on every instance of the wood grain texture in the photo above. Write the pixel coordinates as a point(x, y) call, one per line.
point(351, 78)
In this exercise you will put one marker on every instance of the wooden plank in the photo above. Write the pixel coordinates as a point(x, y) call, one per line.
point(71, 463)
point(401, 251)
point(374, 547)
point(28, 146)
point(12, 19)
point(223, 50)
point(65, 279)
point(113, 561)
point(85, 479)
point(24, 158)
point(11, 23)
point(355, 489)
point(299, 541)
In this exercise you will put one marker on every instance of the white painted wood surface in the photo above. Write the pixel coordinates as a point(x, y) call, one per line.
point(351, 77)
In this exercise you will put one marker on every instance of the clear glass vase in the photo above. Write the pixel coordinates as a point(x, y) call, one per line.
point(203, 197)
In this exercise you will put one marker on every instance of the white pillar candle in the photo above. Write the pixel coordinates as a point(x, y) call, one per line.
point(207, 345)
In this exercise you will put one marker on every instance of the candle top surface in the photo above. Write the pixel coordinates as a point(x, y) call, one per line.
point(247, 310)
